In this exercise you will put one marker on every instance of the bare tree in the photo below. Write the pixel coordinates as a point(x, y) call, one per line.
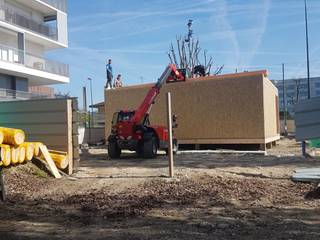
point(186, 55)
point(296, 96)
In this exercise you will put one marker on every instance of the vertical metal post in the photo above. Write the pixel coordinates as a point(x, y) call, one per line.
point(84, 92)
point(284, 103)
point(303, 145)
point(92, 122)
point(170, 145)
point(307, 47)
point(91, 113)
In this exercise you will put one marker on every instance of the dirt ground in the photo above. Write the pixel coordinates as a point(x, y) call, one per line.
point(214, 196)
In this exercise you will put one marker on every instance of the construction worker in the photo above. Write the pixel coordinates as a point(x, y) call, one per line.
point(199, 71)
point(109, 74)
point(118, 81)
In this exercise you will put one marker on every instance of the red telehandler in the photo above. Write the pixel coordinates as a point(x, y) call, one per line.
point(131, 130)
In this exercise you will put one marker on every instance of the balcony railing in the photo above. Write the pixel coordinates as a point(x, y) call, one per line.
point(10, 16)
point(13, 55)
point(59, 4)
point(8, 94)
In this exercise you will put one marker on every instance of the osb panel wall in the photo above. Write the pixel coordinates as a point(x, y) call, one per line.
point(271, 111)
point(223, 109)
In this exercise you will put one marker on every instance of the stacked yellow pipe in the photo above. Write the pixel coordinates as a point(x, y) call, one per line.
point(1, 137)
point(14, 154)
point(22, 154)
point(59, 158)
point(15, 150)
point(37, 146)
point(30, 149)
point(12, 136)
point(5, 155)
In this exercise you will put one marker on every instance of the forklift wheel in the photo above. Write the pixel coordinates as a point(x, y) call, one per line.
point(113, 150)
point(150, 148)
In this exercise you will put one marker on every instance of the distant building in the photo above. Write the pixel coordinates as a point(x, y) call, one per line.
point(98, 116)
point(42, 90)
point(295, 90)
point(28, 29)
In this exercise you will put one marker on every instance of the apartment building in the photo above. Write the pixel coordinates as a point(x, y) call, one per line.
point(295, 90)
point(28, 29)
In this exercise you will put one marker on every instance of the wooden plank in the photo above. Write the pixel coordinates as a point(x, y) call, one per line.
point(52, 167)
point(70, 141)
point(169, 126)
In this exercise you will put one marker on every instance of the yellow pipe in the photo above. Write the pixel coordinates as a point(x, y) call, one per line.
point(5, 155)
point(14, 155)
point(37, 148)
point(22, 154)
point(60, 159)
point(29, 146)
point(1, 137)
point(12, 136)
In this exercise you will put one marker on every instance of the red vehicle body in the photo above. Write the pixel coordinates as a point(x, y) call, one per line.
point(131, 130)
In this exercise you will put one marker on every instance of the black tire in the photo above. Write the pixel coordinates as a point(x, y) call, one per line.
point(139, 150)
point(150, 147)
point(113, 150)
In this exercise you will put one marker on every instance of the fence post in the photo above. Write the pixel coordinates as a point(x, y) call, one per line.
point(170, 146)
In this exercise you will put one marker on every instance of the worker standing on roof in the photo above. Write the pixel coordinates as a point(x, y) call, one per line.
point(118, 81)
point(109, 74)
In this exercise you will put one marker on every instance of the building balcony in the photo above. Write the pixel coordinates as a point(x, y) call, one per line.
point(58, 4)
point(8, 94)
point(38, 70)
point(20, 57)
point(10, 16)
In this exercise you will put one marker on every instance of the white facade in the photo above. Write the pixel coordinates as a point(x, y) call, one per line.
point(29, 28)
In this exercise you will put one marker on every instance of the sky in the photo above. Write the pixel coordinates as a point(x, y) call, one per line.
point(239, 34)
